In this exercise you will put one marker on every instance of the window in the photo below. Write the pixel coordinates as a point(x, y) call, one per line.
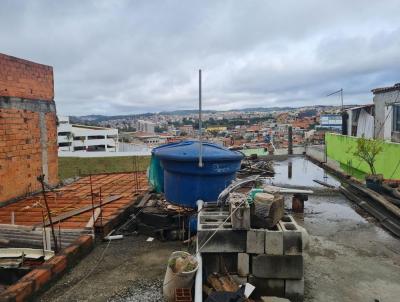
point(96, 137)
point(64, 133)
point(64, 144)
point(79, 138)
point(80, 148)
point(396, 118)
point(96, 148)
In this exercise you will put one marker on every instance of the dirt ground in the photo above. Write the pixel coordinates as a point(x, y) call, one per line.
point(132, 269)
point(349, 258)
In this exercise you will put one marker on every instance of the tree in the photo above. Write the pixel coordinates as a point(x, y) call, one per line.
point(367, 150)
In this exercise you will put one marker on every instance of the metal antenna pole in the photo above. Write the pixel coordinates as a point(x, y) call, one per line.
point(200, 125)
point(341, 96)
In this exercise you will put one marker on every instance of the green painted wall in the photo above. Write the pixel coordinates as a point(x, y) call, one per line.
point(341, 148)
point(258, 151)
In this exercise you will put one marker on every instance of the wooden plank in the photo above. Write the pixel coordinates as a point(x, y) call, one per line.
point(143, 201)
point(72, 213)
point(378, 198)
point(92, 221)
point(323, 183)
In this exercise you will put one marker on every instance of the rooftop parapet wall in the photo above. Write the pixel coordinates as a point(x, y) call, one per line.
point(25, 79)
point(341, 148)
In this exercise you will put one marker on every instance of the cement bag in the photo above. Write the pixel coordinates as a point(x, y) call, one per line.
point(181, 270)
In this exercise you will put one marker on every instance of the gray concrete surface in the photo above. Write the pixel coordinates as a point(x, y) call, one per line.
point(349, 259)
point(132, 270)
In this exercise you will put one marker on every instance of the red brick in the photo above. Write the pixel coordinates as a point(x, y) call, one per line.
point(19, 292)
point(58, 264)
point(39, 276)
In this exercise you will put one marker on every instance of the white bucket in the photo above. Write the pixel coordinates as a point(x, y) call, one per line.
point(177, 280)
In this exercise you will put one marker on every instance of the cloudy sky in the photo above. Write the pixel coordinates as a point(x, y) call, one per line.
point(120, 57)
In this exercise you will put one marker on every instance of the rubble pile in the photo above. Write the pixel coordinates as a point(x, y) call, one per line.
point(154, 216)
point(256, 166)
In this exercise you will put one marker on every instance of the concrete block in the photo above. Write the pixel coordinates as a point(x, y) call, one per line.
point(292, 238)
point(278, 267)
point(294, 290)
point(264, 287)
point(219, 263)
point(274, 241)
point(240, 218)
point(243, 264)
point(224, 241)
point(255, 241)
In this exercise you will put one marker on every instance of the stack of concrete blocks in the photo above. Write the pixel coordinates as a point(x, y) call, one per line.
point(271, 260)
point(276, 260)
point(215, 222)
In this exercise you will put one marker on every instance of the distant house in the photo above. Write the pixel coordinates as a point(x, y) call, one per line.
point(387, 112)
point(188, 129)
point(73, 137)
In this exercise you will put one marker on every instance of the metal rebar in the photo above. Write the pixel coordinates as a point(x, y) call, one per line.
point(101, 210)
point(91, 193)
point(41, 180)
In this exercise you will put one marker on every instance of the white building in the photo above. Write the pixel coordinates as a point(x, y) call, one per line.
point(387, 112)
point(379, 120)
point(72, 137)
point(145, 126)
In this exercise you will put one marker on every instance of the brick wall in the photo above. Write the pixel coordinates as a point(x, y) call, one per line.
point(28, 131)
point(24, 79)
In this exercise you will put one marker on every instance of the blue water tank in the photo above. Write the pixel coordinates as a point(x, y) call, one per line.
point(185, 182)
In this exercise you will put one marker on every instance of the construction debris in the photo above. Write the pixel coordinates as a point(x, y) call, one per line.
point(155, 217)
point(256, 166)
point(236, 185)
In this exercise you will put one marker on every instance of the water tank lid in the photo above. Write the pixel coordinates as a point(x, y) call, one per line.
point(189, 151)
point(164, 146)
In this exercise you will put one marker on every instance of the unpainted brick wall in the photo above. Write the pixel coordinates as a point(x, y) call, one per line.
point(20, 148)
point(25, 79)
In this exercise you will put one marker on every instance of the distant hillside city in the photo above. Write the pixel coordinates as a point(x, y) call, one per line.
point(247, 128)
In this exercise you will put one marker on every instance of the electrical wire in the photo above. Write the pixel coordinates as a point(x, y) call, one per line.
point(88, 274)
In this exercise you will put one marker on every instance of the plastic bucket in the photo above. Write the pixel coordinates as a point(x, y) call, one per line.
point(177, 280)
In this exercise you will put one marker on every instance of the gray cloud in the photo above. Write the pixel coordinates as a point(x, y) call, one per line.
point(119, 57)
